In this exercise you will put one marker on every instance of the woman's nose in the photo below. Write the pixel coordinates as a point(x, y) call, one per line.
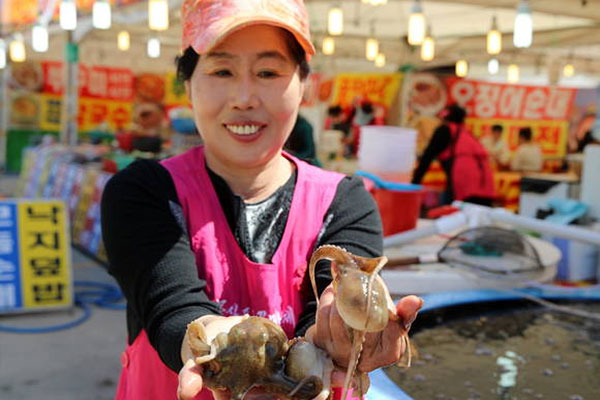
point(244, 94)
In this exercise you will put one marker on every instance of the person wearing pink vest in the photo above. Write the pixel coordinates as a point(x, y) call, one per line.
point(227, 229)
point(465, 161)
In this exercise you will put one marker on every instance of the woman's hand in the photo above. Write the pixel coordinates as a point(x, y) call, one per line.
point(379, 349)
point(190, 376)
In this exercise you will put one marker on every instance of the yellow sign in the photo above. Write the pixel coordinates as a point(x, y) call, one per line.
point(35, 262)
point(378, 88)
point(550, 134)
point(50, 112)
point(93, 112)
point(175, 91)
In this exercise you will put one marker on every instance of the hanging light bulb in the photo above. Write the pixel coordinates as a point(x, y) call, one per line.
point(523, 32)
point(17, 48)
point(416, 24)
point(375, 2)
point(101, 14)
point(2, 54)
point(153, 47)
point(371, 49)
point(328, 46)
point(428, 47)
point(494, 39)
point(513, 73)
point(380, 60)
point(39, 38)
point(158, 15)
point(335, 21)
point(123, 41)
point(461, 68)
point(493, 66)
point(568, 70)
point(68, 15)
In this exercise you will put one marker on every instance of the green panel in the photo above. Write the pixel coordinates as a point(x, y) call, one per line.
point(16, 141)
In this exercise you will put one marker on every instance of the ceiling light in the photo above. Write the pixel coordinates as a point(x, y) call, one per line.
point(2, 54)
point(17, 48)
point(523, 32)
point(68, 15)
point(371, 49)
point(39, 38)
point(335, 21)
point(493, 66)
point(328, 46)
point(494, 39)
point(153, 47)
point(569, 70)
point(461, 68)
point(375, 2)
point(416, 24)
point(380, 60)
point(428, 47)
point(513, 73)
point(158, 15)
point(101, 14)
point(123, 41)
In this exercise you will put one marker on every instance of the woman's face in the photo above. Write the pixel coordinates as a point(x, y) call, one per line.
point(245, 94)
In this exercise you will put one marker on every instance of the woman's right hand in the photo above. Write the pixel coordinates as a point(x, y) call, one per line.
point(190, 376)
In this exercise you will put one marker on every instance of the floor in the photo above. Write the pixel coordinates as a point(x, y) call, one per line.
point(79, 363)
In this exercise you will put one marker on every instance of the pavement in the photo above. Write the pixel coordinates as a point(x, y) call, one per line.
point(79, 363)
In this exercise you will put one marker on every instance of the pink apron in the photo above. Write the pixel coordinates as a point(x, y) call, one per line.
point(240, 285)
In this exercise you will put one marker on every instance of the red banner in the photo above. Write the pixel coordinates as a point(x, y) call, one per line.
point(507, 101)
point(94, 82)
point(546, 110)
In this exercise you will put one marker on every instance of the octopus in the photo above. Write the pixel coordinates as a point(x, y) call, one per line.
point(362, 300)
point(257, 353)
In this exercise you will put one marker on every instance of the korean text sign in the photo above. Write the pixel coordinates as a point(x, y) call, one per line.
point(35, 266)
point(543, 108)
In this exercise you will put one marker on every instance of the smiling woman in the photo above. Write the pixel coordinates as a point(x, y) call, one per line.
point(227, 229)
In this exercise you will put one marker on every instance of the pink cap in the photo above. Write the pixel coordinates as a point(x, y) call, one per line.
point(206, 22)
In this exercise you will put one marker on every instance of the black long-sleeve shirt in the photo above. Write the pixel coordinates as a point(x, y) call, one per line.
point(150, 256)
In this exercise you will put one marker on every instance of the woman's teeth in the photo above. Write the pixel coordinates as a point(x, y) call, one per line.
point(243, 129)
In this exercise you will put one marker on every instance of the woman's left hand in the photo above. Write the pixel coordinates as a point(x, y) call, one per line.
point(379, 349)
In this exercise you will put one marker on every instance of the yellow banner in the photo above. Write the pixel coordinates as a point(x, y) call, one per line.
point(44, 253)
point(550, 134)
point(93, 112)
point(378, 88)
point(174, 91)
point(50, 112)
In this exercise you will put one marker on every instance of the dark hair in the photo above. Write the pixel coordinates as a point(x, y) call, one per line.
point(525, 133)
point(334, 111)
point(455, 113)
point(497, 128)
point(367, 107)
point(186, 63)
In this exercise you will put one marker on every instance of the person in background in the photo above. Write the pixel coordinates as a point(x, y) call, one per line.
point(301, 142)
point(528, 156)
point(228, 228)
point(337, 120)
point(464, 160)
point(497, 147)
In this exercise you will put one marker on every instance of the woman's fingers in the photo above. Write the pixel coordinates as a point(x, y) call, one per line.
point(190, 381)
point(407, 309)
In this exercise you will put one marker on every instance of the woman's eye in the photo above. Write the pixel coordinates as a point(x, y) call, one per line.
point(268, 74)
point(222, 72)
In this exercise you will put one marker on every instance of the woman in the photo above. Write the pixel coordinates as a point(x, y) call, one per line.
point(220, 231)
point(465, 161)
